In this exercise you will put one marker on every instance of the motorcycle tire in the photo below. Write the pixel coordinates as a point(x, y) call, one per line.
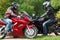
point(57, 31)
point(31, 33)
point(2, 33)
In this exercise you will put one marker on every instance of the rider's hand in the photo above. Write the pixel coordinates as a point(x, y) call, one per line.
point(18, 16)
point(30, 19)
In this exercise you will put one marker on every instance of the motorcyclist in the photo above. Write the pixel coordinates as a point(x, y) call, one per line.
point(50, 14)
point(11, 12)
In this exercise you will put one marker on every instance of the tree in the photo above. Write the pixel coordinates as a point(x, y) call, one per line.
point(31, 6)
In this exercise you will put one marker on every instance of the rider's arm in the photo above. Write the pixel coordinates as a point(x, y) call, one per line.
point(12, 14)
point(44, 14)
point(8, 12)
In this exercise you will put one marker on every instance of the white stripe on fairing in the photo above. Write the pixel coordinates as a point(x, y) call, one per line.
point(15, 23)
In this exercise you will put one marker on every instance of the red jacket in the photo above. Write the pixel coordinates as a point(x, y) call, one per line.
point(10, 13)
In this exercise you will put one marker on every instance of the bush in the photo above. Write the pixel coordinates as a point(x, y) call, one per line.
point(31, 6)
point(55, 4)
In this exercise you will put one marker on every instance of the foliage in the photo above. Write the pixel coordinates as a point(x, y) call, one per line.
point(3, 6)
point(31, 6)
point(55, 4)
point(58, 14)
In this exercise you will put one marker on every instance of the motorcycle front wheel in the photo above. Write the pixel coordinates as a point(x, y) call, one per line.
point(31, 33)
point(57, 31)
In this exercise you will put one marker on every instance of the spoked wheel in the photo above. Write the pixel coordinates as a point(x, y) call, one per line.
point(2, 33)
point(31, 33)
point(57, 31)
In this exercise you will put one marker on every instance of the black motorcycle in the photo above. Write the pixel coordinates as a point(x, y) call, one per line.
point(53, 27)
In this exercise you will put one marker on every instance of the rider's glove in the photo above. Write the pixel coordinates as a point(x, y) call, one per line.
point(18, 16)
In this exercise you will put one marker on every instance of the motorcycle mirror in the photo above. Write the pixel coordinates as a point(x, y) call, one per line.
point(33, 15)
point(19, 13)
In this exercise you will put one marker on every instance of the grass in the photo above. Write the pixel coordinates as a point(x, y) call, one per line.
point(47, 38)
point(43, 38)
point(0, 39)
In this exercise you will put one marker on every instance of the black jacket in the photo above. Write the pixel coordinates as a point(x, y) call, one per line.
point(50, 13)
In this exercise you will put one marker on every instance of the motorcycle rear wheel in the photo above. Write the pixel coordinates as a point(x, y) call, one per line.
point(32, 33)
point(2, 33)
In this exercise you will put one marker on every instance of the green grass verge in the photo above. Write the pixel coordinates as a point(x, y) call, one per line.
point(46, 38)
point(0, 39)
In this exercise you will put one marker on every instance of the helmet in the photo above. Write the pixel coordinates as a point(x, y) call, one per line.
point(14, 5)
point(46, 4)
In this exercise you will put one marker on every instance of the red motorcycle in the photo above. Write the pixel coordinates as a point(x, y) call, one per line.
point(21, 27)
